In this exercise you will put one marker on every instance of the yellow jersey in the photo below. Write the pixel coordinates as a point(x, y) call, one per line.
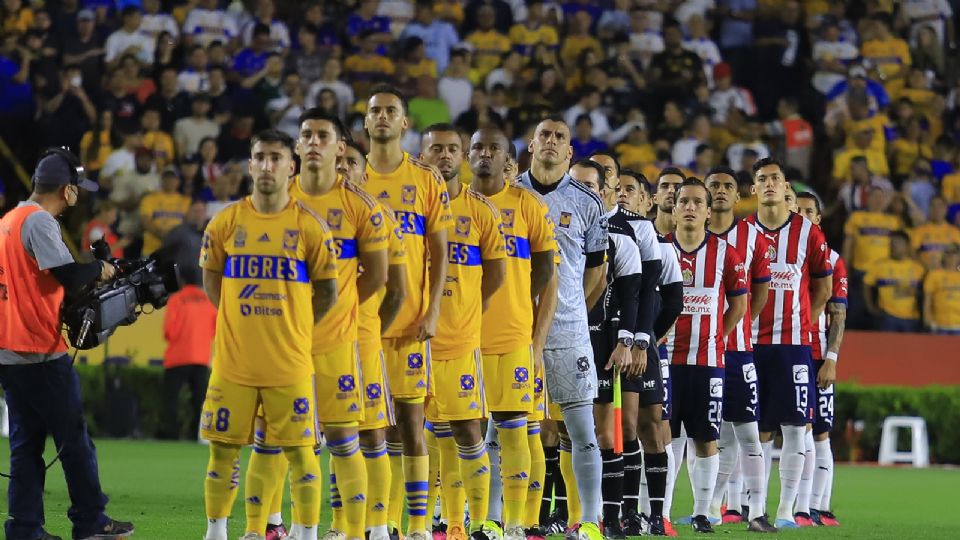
point(418, 196)
point(880, 123)
point(269, 263)
point(635, 156)
point(876, 162)
point(162, 147)
point(888, 55)
point(905, 153)
point(508, 321)
point(931, 239)
point(574, 45)
point(490, 46)
point(424, 68)
point(367, 67)
point(871, 237)
point(943, 287)
point(951, 188)
point(476, 237)
point(356, 222)
point(368, 331)
point(898, 286)
point(525, 39)
point(166, 210)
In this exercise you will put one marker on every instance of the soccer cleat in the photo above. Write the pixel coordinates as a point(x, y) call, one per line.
point(252, 536)
point(422, 534)
point(668, 528)
point(761, 525)
point(589, 531)
point(732, 516)
point(456, 532)
point(613, 530)
point(334, 534)
point(536, 533)
point(276, 532)
point(633, 523)
point(439, 531)
point(803, 519)
point(47, 536)
point(571, 532)
point(827, 519)
point(112, 530)
point(701, 524)
point(514, 533)
point(395, 532)
point(490, 530)
point(556, 524)
point(786, 524)
point(656, 526)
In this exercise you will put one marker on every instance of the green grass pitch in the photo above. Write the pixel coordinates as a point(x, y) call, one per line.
point(159, 486)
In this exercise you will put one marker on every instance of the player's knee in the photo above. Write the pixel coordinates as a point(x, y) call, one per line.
point(819, 437)
point(466, 432)
point(224, 453)
point(304, 465)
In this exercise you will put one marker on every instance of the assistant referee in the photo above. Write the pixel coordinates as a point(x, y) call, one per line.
point(41, 388)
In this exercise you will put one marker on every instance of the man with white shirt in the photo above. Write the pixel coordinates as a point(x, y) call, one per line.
point(189, 131)
point(454, 88)
point(726, 96)
point(750, 141)
point(206, 24)
point(331, 79)
point(129, 39)
point(279, 34)
point(832, 55)
point(699, 42)
point(936, 14)
point(646, 37)
point(154, 22)
point(438, 35)
point(589, 105)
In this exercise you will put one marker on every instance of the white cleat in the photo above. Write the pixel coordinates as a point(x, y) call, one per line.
point(334, 534)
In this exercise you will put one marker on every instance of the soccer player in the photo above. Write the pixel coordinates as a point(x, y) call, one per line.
point(376, 314)
point(271, 261)
point(668, 181)
point(825, 348)
point(581, 232)
point(800, 285)
point(477, 266)
point(740, 391)
point(418, 195)
point(714, 283)
point(791, 197)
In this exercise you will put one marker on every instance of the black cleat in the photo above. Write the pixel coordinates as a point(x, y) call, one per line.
point(536, 533)
point(557, 524)
point(113, 530)
point(761, 525)
point(613, 530)
point(656, 526)
point(701, 524)
point(633, 523)
point(47, 536)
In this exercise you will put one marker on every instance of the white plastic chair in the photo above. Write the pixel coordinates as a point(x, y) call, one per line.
point(919, 453)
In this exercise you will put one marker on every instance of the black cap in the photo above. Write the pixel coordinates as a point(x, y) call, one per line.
point(55, 169)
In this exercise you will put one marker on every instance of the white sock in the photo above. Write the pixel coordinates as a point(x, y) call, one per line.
point(672, 471)
point(275, 519)
point(734, 487)
point(704, 480)
point(378, 531)
point(691, 460)
point(294, 530)
point(821, 474)
point(216, 529)
point(752, 462)
point(791, 468)
point(806, 477)
point(767, 464)
point(727, 447)
point(644, 493)
point(828, 493)
point(307, 533)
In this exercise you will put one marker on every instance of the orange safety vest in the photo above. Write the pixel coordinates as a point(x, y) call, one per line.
point(30, 299)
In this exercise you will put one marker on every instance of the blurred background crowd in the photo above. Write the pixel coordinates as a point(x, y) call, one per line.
point(861, 99)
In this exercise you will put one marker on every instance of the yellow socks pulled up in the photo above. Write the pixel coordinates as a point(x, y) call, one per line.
point(223, 479)
point(538, 472)
point(378, 485)
point(351, 482)
point(569, 480)
point(396, 506)
point(515, 469)
point(416, 471)
point(431, 437)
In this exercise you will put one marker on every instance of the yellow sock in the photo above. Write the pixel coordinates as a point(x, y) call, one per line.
point(279, 472)
point(451, 484)
point(378, 484)
point(223, 479)
point(346, 460)
point(475, 473)
point(538, 472)
point(336, 503)
point(416, 471)
point(431, 436)
point(305, 483)
point(570, 481)
point(514, 469)
point(396, 506)
point(263, 485)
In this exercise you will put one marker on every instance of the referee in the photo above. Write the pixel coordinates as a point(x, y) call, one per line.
point(40, 387)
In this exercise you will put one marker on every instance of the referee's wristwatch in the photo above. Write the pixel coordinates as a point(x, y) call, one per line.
point(641, 340)
point(626, 342)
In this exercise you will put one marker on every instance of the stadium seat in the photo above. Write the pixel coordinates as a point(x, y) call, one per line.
point(919, 453)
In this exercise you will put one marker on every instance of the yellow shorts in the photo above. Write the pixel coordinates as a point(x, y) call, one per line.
point(230, 409)
point(508, 382)
point(555, 413)
point(377, 404)
point(339, 385)
point(456, 389)
point(408, 366)
point(539, 395)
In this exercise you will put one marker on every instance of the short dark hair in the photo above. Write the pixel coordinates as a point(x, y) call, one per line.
point(592, 165)
point(440, 126)
point(393, 91)
point(554, 117)
point(764, 162)
point(721, 169)
point(668, 171)
point(261, 29)
point(639, 177)
point(693, 181)
point(812, 197)
point(583, 118)
point(272, 136)
point(701, 148)
point(609, 154)
point(316, 113)
point(901, 235)
point(356, 146)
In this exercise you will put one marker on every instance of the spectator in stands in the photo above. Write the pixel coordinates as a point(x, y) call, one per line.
point(206, 24)
point(751, 139)
point(675, 72)
point(853, 194)
point(490, 44)
point(479, 114)
point(502, 15)
point(931, 239)
point(122, 160)
point(365, 25)
point(307, 60)
point(928, 53)
point(697, 134)
point(331, 79)
point(857, 84)
point(636, 152)
point(210, 166)
point(154, 22)
point(66, 111)
point(278, 35)
point(413, 64)
point(101, 228)
point(905, 150)
point(941, 295)
point(194, 77)
point(189, 131)
point(726, 96)
point(439, 36)
point(128, 39)
point(367, 66)
point(128, 190)
point(511, 63)
point(163, 210)
point(454, 88)
point(286, 110)
point(221, 194)
point(698, 41)
point(157, 141)
point(234, 141)
point(583, 142)
point(85, 48)
point(876, 160)
point(589, 104)
point(794, 136)
point(426, 108)
point(646, 37)
point(832, 54)
point(736, 35)
point(893, 297)
point(919, 188)
point(253, 59)
point(123, 103)
point(535, 30)
point(888, 55)
point(169, 100)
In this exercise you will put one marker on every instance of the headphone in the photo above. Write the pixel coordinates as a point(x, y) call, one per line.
point(76, 167)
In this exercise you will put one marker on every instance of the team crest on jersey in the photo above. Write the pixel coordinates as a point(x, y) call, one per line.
point(507, 216)
point(687, 277)
point(521, 374)
point(335, 218)
point(537, 385)
point(716, 387)
point(565, 219)
point(463, 225)
point(467, 382)
point(301, 405)
point(240, 237)
point(583, 364)
point(374, 391)
point(346, 383)
point(291, 237)
point(408, 194)
point(771, 253)
point(377, 219)
point(415, 361)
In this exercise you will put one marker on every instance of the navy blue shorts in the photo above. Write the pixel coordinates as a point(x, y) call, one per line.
point(667, 384)
point(824, 419)
point(741, 397)
point(786, 385)
point(697, 401)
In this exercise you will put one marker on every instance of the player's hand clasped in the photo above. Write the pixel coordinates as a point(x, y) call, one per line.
point(621, 358)
point(428, 325)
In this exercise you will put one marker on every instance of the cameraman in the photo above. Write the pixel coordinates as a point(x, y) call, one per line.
point(40, 386)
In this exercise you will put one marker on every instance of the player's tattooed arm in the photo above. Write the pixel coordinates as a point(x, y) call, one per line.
point(542, 269)
point(211, 286)
point(394, 295)
point(758, 298)
point(820, 290)
point(837, 315)
point(324, 297)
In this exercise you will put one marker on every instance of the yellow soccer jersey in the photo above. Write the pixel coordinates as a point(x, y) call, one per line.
point(418, 196)
point(931, 239)
point(951, 188)
point(508, 321)
point(474, 238)
point(166, 210)
point(871, 237)
point(943, 286)
point(368, 334)
point(888, 55)
point(897, 283)
point(356, 222)
point(526, 39)
point(490, 46)
point(265, 317)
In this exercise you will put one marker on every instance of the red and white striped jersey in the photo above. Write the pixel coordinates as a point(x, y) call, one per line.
point(797, 252)
point(748, 242)
point(818, 338)
point(711, 273)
